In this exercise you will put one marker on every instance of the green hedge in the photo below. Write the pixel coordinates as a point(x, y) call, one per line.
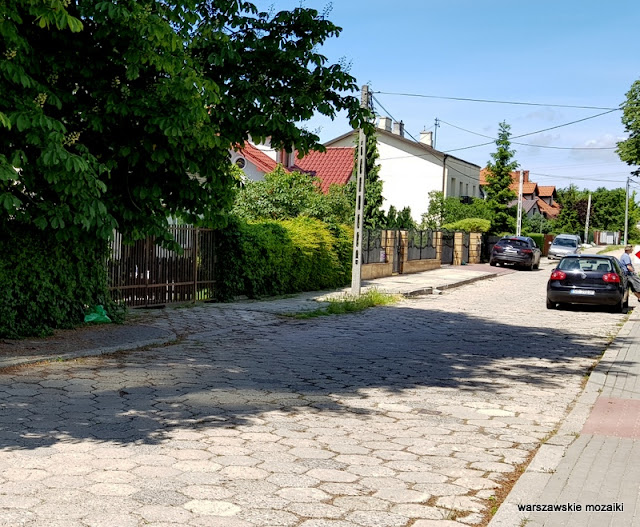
point(46, 284)
point(469, 225)
point(538, 238)
point(271, 258)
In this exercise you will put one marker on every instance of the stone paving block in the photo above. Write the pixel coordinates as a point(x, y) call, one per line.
point(377, 519)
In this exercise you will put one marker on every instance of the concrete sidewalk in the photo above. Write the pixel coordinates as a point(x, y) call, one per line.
point(587, 474)
point(139, 331)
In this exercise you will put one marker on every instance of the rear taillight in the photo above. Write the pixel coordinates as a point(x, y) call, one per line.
point(498, 249)
point(526, 251)
point(611, 278)
point(558, 275)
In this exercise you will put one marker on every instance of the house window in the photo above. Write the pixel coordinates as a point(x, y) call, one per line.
point(466, 189)
point(460, 194)
point(241, 162)
point(474, 191)
point(453, 186)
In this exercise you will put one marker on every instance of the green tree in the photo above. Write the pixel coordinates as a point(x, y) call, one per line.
point(399, 219)
point(285, 195)
point(536, 224)
point(120, 113)
point(629, 149)
point(497, 190)
point(443, 210)
point(568, 220)
point(374, 216)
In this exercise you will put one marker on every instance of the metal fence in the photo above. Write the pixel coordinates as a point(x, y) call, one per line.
point(374, 247)
point(421, 245)
point(145, 274)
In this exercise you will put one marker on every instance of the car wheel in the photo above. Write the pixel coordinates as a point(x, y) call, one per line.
point(550, 304)
point(619, 307)
point(492, 263)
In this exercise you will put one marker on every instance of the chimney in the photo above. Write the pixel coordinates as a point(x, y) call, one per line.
point(426, 138)
point(385, 124)
point(285, 158)
point(398, 128)
point(525, 176)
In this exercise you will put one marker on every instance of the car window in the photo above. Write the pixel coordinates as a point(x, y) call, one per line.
point(565, 242)
point(512, 243)
point(585, 264)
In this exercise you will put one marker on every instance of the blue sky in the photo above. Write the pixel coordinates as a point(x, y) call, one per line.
point(560, 52)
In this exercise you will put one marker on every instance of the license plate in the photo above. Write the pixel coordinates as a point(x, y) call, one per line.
point(587, 292)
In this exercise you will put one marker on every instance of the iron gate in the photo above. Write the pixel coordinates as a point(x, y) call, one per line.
point(448, 241)
point(466, 241)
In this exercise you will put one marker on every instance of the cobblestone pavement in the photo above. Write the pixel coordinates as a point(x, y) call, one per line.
point(407, 415)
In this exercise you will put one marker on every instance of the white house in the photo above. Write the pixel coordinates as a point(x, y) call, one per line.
point(411, 169)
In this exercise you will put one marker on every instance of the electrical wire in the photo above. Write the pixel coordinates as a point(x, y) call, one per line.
point(533, 133)
point(498, 102)
point(528, 144)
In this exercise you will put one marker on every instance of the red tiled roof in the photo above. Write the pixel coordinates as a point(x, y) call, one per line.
point(546, 191)
point(334, 166)
point(261, 160)
point(551, 211)
point(527, 188)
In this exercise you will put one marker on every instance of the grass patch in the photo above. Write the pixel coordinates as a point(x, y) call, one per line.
point(351, 303)
point(610, 248)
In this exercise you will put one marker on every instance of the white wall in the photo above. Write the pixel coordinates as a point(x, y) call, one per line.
point(408, 174)
point(250, 170)
point(458, 172)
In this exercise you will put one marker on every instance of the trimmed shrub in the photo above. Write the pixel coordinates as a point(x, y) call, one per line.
point(469, 225)
point(538, 238)
point(45, 284)
point(271, 258)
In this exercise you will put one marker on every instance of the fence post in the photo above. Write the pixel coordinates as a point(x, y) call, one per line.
point(195, 264)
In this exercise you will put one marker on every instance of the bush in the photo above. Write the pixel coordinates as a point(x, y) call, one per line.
point(271, 258)
point(538, 238)
point(469, 225)
point(46, 284)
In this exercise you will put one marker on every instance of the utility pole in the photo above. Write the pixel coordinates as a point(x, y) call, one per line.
point(586, 223)
point(356, 261)
point(519, 224)
point(435, 132)
point(626, 213)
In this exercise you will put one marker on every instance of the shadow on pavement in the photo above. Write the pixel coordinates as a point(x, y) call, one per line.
point(342, 365)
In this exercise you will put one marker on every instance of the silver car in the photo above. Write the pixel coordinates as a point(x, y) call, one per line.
point(564, 245)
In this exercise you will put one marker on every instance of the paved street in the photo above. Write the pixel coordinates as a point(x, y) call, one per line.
point(408, 415)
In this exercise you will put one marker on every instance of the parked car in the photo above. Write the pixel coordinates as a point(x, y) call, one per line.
point(563, 245)
point(518, 250)
point(588, 279)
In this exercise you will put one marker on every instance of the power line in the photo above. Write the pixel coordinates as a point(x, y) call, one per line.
point(528, 144)
point(533, 133)
point(498, 102)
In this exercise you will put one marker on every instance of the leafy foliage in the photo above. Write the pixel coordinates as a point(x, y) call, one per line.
point(469, 225)
point(399, 220)
point(45, 284)
point(536, 224)
point(450, 210)
point(373, 215)
point(497, 190)
point(285, 195)
point(121, 113)
point(607, 211)
point(270, 258)
point(629, 149)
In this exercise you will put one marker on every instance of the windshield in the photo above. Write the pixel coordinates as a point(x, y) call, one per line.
point(565, 242)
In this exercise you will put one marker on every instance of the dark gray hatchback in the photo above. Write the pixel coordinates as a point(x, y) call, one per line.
point(588, 279)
